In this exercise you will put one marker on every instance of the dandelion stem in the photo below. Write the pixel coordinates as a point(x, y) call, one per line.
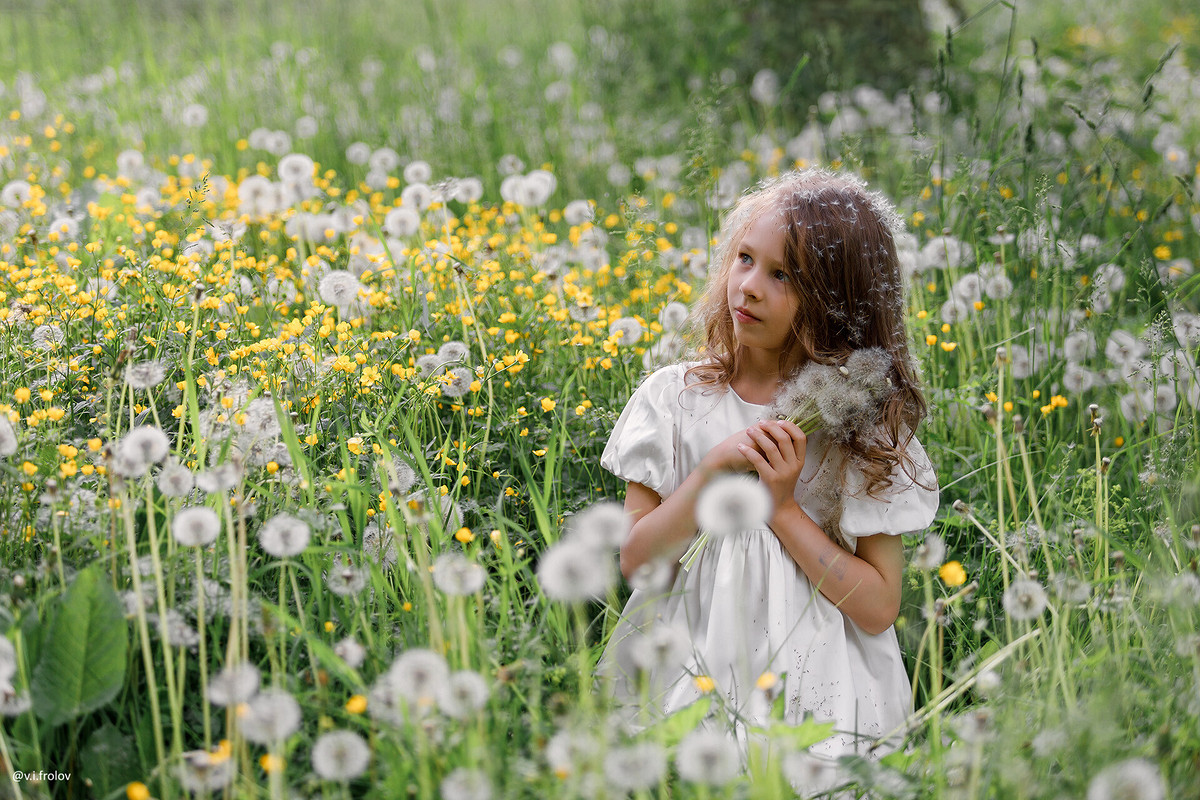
point(201, 627)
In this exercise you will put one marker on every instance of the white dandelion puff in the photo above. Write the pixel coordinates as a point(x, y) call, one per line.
point(662, 647)
point(8, 437)
point(202, 771)
point(708, 757)
point(930, 553)
point(635, 767)
point(465, 783)
point(345, 580)
point(572, 570)
point(350, 651)
point(417, 172)
point(47, 337)
point(196, 526)
point(296, 168)
point(733, 503)
point(339, 288)
point(605, 524)
point(673, 316)
point(233, 685)
point(457, 382)
point(1024, 600)
point(465, 693)
point(453, 352)
point(145, 374)
point(340, 755)
point(418, 676)
point(455, 574)
point(284, 536)
point(270, 717)
point(175, 479)
point(626, 330)
point(1132, 779)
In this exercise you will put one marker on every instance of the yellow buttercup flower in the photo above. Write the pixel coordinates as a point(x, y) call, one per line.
point(952, 573)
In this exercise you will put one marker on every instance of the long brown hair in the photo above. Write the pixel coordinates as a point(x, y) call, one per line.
point(840, 257)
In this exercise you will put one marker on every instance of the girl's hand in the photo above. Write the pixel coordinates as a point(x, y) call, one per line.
point(727, 455)
point(778, 451)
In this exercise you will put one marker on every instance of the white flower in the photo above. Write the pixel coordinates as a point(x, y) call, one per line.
point(233, 685)
point(196, 526)
point(296, 168)
point(139, 448)
point(466, 784)
point(626, 330)
point(463, 694)
point(1123, 348)
point(385, 159)
point(661, 647)
point(1132, 779)
point(635, 767)
point(1079, 345)
point(707, 757)
point(339, 288)
point(8, 437)
point(764, 88)
point(455, 574)
point(345, 580)
point(604, 524)
point(673, 316)
point(416, 196)
point(570, 748)
point(284, 536)
point(340, 755)
point(145, 374)
point(942, 252)
point(270, 717)
point(350, 651)
point(930, 553)
point(572, 570)
point(418, 676)
point(1024, 599)
point(578, 212)
point(733, 503)
point(175, 479)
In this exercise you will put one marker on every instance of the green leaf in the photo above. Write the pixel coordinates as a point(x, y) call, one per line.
point(801, 736)
point(671, 730)
point(108, 760)
point(82, 663)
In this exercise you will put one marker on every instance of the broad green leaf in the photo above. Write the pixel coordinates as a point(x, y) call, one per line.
point(671, 730)
point(82, 663)
point(109, 760)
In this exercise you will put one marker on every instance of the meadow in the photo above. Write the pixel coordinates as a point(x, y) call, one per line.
point(314, 322)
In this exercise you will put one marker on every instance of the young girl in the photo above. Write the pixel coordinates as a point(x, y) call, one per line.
point(806, 271)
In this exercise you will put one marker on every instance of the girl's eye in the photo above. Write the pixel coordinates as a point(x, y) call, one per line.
point(744, 258)
point(780, 275)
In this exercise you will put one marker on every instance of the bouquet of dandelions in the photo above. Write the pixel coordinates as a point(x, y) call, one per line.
point(844, 401)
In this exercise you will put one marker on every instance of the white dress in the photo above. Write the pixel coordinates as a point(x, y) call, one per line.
point(745, 608)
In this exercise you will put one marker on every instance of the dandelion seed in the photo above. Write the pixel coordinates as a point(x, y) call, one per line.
point(418, 172)
point(654, 576)
point(604, 524)
point(339, 288)
point(196, 526)
point(271, 717)
point(635, 767)
point(707, 757)
point(466, 784)
point(572, 570)
point(452, 352)
point(202, 772)
point(8, 437)
point(233, 685)
point(930, 553)
point(1024, 599)
point(732, 504)
point(345, 580)
point(340, 755)
point(455, 574)
point(175, 479)
point(465, 693)
point(145, 374)
point(14, 703)
point(351, 652)
point(284, 536)
point(1132, 779)
point(418, 676)
point(1048, 742)
point(568, 749)
point(428, 364)
point(660, 648)
point(626, 330)
point(974, 726)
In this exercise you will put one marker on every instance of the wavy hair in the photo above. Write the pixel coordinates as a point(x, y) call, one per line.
point(840, 256)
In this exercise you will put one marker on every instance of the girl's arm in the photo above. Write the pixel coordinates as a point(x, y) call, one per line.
point(865, 585)
point(661, 527)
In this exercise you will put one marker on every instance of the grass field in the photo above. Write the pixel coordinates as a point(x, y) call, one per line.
point(315, 319)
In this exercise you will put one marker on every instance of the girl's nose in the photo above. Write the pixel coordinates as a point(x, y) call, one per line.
point(750, 285)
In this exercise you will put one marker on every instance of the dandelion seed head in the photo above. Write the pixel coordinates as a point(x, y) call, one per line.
point(175, 479)
point(465, 783)
point(661, 647)
point(605, 524)
point(339, 288)
point(732, 504)
point(416, 196)
point(47, 337)
point(202, 772)
point(344, 579)
point(708, 757)
point(457, 382)
point(233, 685)
point(455, 574)
point(453, 352)
point(8, 437)
point(930, 553)
point(1025, 599)
point(145, 374)
point(673, 316)
point(138, 449)
point(465, 693)
point(809, 774)
point(270, 717)
point(626, 331)
point(1132, 779)
point(195, 526)
point(572, 570)
point(418, 676)
point(284, 536)
point(635, 767)
point(340, 755)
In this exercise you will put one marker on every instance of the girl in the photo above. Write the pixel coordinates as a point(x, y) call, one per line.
point(806, 271)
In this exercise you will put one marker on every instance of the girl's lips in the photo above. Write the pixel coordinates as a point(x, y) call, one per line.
point(743, 317)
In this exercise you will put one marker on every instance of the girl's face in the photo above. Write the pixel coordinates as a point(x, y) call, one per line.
point(760, 293)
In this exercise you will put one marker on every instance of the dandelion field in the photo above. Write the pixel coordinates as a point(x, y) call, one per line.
point(313, 332)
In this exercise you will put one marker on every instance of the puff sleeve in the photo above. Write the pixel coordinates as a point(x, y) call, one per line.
point(643, 443)
point(903, 507)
